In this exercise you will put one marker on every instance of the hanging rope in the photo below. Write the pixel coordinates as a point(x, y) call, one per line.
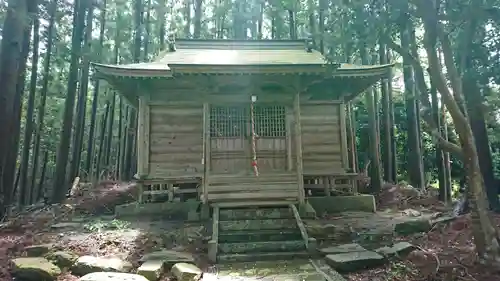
point(254, 139)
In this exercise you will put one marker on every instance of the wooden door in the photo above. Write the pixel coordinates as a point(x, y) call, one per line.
point(271, 141)
point(231, 139)
point(230, 150)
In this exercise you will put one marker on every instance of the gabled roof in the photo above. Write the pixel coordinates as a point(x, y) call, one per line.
point(242, 52)
point(215, 56)
point(221, 57)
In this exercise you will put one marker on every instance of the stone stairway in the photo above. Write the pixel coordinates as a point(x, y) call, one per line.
point(258, 233)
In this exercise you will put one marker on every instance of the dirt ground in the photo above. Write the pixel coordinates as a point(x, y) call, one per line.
point(444, 253)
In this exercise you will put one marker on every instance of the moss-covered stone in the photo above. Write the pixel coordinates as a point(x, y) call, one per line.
point(169, 257)
point(259, 247)
point(112, 276)
point(413, 226)
point(341, 249)
point(400, 250)
point(350, 262)
point(320, 231)
point(255, 213)
point(89, 264)
point(38, 250)
point(152, 269)
point(257, 224)
point(34, 269)
point(62, 259)
point(260, 235)
point(186, 272)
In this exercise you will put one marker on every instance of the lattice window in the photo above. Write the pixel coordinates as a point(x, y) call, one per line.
point(270, 121)
point(236, 121)
point(228, 121)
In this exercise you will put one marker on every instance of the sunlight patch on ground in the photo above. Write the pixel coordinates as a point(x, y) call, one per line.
point(277, 270)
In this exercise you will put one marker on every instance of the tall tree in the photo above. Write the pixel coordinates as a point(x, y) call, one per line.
point(81, 104)
point(61, 184)
point(10, 57)
point(387, 124)
point(198, 13)
point(414, 162)
point(95, 93)
point(24, 188)
point(43, 94)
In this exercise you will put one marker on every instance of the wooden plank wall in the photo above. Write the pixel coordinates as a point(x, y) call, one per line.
point(321, 138)
point(176, 140)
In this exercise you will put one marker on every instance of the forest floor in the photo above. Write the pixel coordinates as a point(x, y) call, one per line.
point(444, 253)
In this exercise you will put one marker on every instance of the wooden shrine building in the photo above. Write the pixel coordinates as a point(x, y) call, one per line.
point(243, 120)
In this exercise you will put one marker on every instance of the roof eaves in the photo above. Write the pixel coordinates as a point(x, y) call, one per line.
point(316, 68)
point(132, 70)
point(364, 70)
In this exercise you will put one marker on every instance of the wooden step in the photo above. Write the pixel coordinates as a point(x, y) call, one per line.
point(254, 203)
point(238, 179)
point(258, 187)
point(284, 194)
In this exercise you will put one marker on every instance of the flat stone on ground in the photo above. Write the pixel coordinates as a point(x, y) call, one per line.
point(186, 272)
point(349, 262)
point(345, 248)
point(413, 226)
point(261, 269)
point(151, 269)
point(168, 257)
point(400, 249)
point(34, 269)
point(327, 271)
point(66, 225)
point(328, 231)
point(89, 264)
point(62, 259)
point(112, 276)
point(38, 250)
point(443, 219)
point(299, 277)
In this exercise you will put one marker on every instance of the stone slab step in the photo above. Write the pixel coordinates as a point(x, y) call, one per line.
point(253, 213)
point(351, 262)
point(257, 224)
point(271, 256)
point(260, 235)
point(260, 247)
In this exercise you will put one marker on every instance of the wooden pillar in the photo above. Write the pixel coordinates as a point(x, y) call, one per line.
point(375, 175)
point(206, 151)
point(289, 137)
point(298, 148)
point(343, 136)
point(143, 142)
point(351, 138)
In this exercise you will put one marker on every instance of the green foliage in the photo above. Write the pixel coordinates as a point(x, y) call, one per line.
point(99, 225)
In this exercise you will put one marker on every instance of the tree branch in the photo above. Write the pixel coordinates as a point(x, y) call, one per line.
point(423, 89)
point(445, 144)
point(417, 68)
point(432, 30)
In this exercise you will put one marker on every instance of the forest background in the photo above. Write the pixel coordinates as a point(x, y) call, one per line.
point(63, 111)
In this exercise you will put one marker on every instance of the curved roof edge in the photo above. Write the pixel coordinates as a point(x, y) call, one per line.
point(157, 70)
point(353, 70)
point(139, 70)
